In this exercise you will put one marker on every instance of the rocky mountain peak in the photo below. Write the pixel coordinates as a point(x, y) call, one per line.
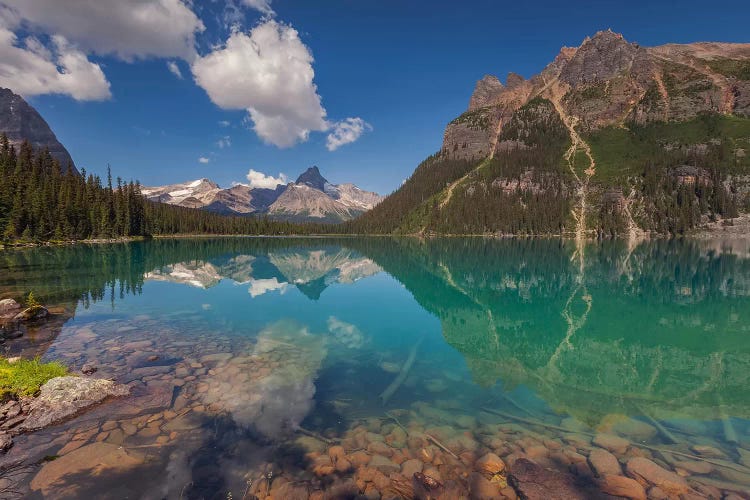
point(20, 121)
point(514, 80)
point(599, 58)
point(312, 177)
point(485, 92)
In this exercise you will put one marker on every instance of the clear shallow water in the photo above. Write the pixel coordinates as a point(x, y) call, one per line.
point(264, 346)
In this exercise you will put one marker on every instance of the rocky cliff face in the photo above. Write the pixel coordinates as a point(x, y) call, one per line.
point(610, 81)
point(310, 198)
point(20, 121)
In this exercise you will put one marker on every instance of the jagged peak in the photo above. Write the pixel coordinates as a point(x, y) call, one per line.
point(514, 80)
point(312, 177)
point(485, 92)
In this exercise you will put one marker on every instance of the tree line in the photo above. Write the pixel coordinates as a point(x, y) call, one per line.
point(42, 200)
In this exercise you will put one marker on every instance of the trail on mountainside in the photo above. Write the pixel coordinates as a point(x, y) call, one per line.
point(577, 143)
point(453, 185)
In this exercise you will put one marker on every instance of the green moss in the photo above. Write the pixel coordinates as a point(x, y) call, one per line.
point(739, 69)
point(26, 377)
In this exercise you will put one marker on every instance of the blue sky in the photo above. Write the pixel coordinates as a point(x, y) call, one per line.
point(403, 68)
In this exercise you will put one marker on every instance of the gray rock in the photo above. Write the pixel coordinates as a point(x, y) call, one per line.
point(88, 369)
point(9, 305)
point(20, 122)
point(32, 314)
point(534, 482)
point(12, 330)
point(63, 397)
point(5, 441)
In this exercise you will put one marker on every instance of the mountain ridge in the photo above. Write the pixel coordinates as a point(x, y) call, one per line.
point(311, 198)
point(589, 146)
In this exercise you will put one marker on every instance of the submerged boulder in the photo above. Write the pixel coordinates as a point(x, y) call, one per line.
point(63, 397)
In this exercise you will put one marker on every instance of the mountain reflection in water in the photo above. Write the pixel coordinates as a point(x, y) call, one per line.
point(278, 334)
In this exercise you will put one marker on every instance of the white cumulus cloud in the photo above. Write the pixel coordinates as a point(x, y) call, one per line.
point(174, 69)
point(346, 132)
point(203, 159)
point(30, 68)
point(260, 180)
point(269, 73)
point(224, 142)
point(126, 28)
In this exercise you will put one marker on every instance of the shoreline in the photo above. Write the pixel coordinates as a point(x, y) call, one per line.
point(739, 229)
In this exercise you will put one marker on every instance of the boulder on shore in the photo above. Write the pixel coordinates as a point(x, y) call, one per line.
point(32, 314)
point(63, 397)
point(8, 306)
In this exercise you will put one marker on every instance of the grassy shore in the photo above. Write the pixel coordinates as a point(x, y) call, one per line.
point(24, 378)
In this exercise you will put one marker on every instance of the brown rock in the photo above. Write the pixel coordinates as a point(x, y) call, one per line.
point(322, 466)
point(343, 465)
point(359, 458)
point(482, 489)
point(410, 467)
point(490, 464)
point(93, 460)
point(622, 486)
point(647, 472)
point(612, 443)
point(694, 467)
point(384, 464)
point(604, 463)
point(336, 452)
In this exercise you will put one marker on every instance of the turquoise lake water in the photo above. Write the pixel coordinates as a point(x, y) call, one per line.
point(268, 344)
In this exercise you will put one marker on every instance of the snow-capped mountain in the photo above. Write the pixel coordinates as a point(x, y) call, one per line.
point(310, 198)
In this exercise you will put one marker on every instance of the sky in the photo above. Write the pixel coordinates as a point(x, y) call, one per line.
point(256, 91)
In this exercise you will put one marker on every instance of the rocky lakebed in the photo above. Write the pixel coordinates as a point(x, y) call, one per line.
point(218, 416)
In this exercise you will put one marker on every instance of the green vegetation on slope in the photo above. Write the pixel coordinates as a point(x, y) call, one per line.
point(431, 176)
point(623, 152)
point(26, 377)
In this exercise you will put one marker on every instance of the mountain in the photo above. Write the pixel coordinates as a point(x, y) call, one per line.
point(310, 198)
point(19, 121)
point(598, 143)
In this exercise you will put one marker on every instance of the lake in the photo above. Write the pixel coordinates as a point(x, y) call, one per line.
point(328, 367)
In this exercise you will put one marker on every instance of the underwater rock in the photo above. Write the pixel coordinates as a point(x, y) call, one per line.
point(622, 486)
point(12, 330)
point(88, 369)
point(411, 467)
point(96, 458)
point(345, 333)
point(603, 463)
point(384, 464)
point(490, 464)
point(534, 482)
point(63, 397)
point(647, 472)
point(627, 426)
point(615, 444)
point(389, 367)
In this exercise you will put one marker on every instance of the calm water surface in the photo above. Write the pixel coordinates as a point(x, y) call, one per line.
point(249, 359)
